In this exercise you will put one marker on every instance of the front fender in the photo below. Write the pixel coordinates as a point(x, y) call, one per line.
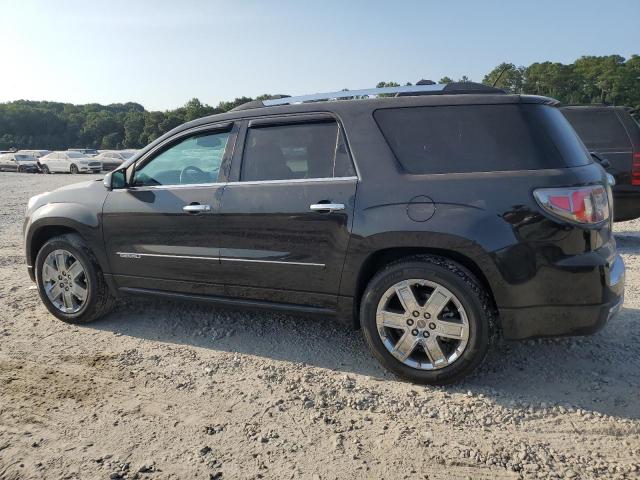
point(53, 218)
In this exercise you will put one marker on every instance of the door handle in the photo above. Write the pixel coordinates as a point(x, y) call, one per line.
point(197, 208)
point(326, 207)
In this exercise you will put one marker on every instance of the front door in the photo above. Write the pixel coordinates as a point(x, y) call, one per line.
point(162, 231)
point(286, 219)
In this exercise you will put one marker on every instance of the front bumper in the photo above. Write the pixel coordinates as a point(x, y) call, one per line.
point(564, 320)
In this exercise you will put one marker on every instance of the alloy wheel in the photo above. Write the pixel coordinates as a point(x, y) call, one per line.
point(65, 281)
point(422, 324)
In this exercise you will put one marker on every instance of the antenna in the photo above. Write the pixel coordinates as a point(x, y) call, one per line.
point(504, 69)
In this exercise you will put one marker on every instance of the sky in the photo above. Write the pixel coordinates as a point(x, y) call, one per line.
point(163, 53)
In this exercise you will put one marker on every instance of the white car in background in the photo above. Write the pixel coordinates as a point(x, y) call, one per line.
point(69, 162)
point(112, 159)
point(35, 153)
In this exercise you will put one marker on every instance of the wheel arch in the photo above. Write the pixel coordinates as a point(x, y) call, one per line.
point(55, 219)
point(378, 259)
point(43, 234)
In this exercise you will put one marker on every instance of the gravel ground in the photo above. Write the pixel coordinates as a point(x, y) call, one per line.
point(168, 390)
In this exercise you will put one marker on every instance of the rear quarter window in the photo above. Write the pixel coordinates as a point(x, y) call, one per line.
point(480, 138)
point(598, 128)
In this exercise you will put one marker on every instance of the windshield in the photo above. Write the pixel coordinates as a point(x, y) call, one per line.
point(74, 155)
point(126, 155)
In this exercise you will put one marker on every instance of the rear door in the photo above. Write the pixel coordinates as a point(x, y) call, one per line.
point(287, 212)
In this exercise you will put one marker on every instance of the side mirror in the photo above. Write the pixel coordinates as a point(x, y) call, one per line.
point(601, 160)
point(115, 180)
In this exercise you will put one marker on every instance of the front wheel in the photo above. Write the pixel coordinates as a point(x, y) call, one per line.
point(70, 282)
point(427, 319)
point(74, 169)
point(45, 169)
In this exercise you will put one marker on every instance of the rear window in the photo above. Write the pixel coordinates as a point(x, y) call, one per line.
point(480, 138)
point(598, 128)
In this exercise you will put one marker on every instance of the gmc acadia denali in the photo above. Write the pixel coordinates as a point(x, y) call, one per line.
point(436, 218)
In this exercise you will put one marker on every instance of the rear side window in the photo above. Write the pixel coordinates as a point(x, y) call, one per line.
point(479, 138)
point(296, 151)
point(598, 128)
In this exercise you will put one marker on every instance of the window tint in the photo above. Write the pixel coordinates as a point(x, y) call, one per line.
point(194, 160)
point(476, 138)
point(598, 128)
point(284, 152)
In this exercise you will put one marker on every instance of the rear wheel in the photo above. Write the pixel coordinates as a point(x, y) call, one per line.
point(70, 282)
point(427, 319)
point(74, 168)
point(20, 169)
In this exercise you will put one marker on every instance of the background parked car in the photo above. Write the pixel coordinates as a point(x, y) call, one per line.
point(18, 162)
point(112, 159)
point(87, 152)
point(614, 135)
point(35, 153)
point(69, 162)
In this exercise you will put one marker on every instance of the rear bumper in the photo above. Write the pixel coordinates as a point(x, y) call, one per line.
point(563, 320)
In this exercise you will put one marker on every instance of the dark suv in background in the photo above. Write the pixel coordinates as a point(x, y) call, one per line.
point(613, 134)
point(436, 221)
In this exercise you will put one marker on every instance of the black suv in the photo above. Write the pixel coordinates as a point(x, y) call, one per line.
point(611, 133)
point(436, 220)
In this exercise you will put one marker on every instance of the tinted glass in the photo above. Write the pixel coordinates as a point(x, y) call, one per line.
point(477, 138)
point(296, 151)
point(194, 160)
point(74, 155)
point(598, 128)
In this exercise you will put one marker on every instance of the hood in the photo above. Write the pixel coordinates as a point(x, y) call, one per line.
point(91, 192)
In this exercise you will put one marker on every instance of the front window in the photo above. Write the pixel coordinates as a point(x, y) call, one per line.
point(194, 160)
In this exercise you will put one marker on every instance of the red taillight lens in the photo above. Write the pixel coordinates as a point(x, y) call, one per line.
point(582, 205)
point(635, 169)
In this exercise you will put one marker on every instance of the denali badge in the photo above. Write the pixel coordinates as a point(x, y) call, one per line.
point(129, 255)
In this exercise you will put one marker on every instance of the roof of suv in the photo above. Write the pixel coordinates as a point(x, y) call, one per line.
point(328, 104)
point(442, 96)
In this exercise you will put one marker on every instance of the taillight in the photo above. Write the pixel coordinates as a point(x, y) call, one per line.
point(585, 205)
point(635, 168)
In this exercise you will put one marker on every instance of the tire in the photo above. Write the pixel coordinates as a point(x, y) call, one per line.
point(45, 169)
point(20, 169)
point(74, 169)
point(98, 300)
point(471, 315)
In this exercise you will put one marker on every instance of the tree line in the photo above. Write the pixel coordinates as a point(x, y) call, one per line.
point(608, 79)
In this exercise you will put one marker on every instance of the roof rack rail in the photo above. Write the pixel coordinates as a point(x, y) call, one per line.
point(407, 90)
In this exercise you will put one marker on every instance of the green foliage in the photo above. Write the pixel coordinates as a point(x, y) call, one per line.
point(56, 126)
point(609, 79)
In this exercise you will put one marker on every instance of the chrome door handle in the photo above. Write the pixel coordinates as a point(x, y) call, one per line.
point(196, 208)
point(326, 207)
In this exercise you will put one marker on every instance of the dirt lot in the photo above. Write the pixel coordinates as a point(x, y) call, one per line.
point(167, 390)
